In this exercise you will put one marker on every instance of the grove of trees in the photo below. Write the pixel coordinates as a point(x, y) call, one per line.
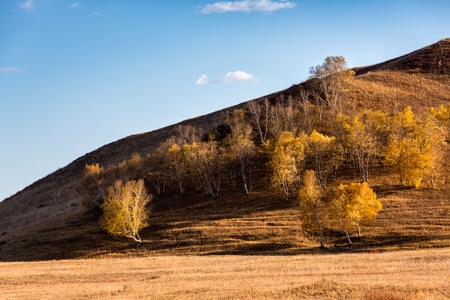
point(298, 144)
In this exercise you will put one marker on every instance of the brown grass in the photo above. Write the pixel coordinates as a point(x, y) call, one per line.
point(396, 275)
point(394, 90)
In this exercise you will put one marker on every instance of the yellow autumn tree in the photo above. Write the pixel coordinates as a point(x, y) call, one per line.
point(326, 154)
point(287, 160)
point(312, 209)
point(352, 206)
point(416, 148)
point(364, 138)
point(433, 146)
point(442, 114)
point(125, 210)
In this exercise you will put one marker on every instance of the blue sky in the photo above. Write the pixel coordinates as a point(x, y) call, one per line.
point(75, 75)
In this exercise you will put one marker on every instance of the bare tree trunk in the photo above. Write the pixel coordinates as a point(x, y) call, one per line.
point(348, 237)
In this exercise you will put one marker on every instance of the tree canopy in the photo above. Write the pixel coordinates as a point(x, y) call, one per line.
point(125, 210)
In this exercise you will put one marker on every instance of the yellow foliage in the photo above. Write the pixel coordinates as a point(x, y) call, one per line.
point(287, 160)
point(312, 208)
point(353, 205)
point(93, 170)
point(360, 140)
point(327, 155)
point(416, 148)
point(124, 209)
point(442, 113)
point(405, 156)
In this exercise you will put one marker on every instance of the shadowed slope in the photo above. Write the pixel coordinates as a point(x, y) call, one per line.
point(434, 59)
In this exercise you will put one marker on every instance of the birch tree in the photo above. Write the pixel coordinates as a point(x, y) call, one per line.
point(312, 209)
point(333, 76)
point(125, 210)
point(176, 164)
point(287, 160)
point(260, 113)
point(365, 136)
point(241, 149)
point(352, 206)
point(326, 154)
point(206, 165)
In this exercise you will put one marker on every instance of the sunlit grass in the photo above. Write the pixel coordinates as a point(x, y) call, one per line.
point(396, 275)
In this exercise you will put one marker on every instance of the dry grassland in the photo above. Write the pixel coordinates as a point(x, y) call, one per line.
point(392, 91)
point(423, 274)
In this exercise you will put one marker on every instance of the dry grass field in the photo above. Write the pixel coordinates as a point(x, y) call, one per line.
point(423, 274)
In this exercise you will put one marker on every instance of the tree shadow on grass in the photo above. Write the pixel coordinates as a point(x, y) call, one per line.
point(388, 190)
point(380, 244)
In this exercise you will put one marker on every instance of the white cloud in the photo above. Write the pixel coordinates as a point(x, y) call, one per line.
point(237, 76)
point(27, 5)
point(202, 79)
point(75, 5)
point(229, 77)
point(247, 6)
point(10, 69)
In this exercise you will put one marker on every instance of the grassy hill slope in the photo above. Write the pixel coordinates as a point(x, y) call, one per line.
point(47, 221)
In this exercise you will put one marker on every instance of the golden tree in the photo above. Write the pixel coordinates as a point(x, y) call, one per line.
point(442, 114)
point(125, 210)
point(433, 146)
point(326, 154)
point(353, 205)
point(364, 137)
point(287, 160)
point(312, 208)
point(416, 148)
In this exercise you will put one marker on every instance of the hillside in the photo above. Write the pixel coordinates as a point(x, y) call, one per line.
point(47, 221)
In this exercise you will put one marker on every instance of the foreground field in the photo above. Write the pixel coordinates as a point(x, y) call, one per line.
point(423, 274)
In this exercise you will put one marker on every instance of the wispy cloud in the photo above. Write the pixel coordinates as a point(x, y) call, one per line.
point(229, 77)
point(75, 5)
point(247, 6)
point(26, 5)
point(10, 69)
point(202, 79)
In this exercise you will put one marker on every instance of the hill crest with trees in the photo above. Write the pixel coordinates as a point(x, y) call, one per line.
point(337, 124)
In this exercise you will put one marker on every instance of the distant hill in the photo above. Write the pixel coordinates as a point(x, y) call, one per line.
point(433, 59)
point(47, 221)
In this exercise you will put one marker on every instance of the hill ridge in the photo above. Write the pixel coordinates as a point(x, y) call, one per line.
point(434, 58)
point(54, 197)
